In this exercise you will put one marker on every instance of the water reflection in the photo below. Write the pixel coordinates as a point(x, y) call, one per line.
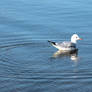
point(72, 54)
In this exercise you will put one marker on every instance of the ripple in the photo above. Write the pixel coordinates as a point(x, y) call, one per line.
point(26, 63)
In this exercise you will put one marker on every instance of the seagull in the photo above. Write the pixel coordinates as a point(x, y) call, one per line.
point(67, 45)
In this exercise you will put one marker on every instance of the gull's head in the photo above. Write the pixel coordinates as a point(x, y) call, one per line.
point(74, 38)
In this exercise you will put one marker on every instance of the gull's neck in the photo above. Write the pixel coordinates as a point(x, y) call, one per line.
point(74, 41)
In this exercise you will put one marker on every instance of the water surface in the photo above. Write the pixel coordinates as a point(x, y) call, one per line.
point(28, 63)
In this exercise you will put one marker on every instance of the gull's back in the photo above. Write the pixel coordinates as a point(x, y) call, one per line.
point(65, 45)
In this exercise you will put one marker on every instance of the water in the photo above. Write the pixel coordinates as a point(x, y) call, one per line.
point(28, 63)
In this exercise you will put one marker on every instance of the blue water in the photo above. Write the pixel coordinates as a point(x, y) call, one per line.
point(28, 63)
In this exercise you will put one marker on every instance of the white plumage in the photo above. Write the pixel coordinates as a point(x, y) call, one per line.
point(67, 45)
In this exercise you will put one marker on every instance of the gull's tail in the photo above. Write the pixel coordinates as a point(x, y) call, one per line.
point(53, 43)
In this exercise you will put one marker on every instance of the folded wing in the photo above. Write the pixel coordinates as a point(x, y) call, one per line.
point(66, 45)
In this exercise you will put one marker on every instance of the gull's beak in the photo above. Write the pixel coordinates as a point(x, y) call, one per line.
point(80, 39)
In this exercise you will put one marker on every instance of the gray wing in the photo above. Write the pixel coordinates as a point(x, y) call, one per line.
point(66, 45)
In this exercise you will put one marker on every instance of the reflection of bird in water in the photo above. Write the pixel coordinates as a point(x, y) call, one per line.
point(72, 54)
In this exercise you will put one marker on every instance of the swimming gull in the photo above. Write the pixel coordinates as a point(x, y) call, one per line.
point(67, 45)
